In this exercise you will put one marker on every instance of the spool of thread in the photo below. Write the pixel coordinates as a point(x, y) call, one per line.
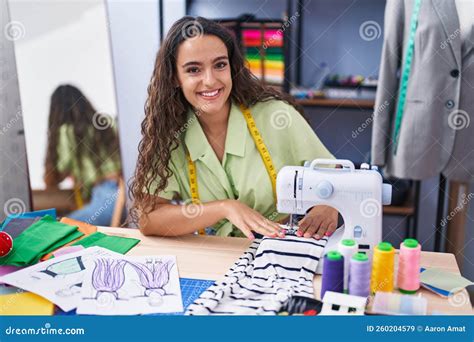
point(359, 275)
point(347, 247)
point(6, 244)
point(409, 266)
point(382, 268)
point(333, 273)
point(386, 303)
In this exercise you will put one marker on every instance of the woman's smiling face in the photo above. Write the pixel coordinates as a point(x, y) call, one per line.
point(204, 73)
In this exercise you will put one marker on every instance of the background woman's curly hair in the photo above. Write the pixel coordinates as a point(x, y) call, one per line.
point(166, 108)
point(70, 106)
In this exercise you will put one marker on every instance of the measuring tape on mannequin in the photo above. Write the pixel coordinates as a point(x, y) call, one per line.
point(262, 149)
point(405, 74)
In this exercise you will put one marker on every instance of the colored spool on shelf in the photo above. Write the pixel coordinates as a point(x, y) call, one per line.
point(359, 275)
point(347, 247)
point(333, 273)
point(408, 279)
point(382, 268)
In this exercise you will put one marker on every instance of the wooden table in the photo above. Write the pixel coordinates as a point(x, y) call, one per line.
point(209, 257)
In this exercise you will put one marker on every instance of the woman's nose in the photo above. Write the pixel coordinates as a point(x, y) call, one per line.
point(209, 78)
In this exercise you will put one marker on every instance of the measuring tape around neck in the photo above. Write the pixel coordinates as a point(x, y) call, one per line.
point(405, 75)
point(262, 149)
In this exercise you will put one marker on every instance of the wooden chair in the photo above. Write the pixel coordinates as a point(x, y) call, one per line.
point(119, 204)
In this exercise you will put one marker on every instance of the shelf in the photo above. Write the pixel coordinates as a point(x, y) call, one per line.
point(263, 46)
point(275, 23)
point(405, 209)
point(398, 210)
point(347, 103)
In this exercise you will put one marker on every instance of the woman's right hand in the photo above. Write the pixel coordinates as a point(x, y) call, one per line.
point(248, 220)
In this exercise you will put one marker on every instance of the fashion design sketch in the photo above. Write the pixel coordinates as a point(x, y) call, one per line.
point(131, 286)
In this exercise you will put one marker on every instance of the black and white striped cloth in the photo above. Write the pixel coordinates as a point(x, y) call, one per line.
point(264, 278)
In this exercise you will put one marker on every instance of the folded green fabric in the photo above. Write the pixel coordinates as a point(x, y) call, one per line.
point(40, 238)
point(444, 280)
point(253, 56)
point(274, 57)
point(114, 243)
point(274, 51)
point(252, 51)
point(71, 237)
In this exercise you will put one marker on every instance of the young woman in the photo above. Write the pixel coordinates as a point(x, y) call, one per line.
point(83, 145)
point(197, 145)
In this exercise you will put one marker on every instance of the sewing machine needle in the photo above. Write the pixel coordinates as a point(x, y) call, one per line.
point(291, 221)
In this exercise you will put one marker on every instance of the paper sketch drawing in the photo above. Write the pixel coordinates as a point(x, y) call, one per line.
point(108, 277)
point(59, 279)
point(154, 276)
point(131, 286)
point(61, 270)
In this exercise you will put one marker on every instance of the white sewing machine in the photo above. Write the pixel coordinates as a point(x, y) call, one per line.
point(358, 195)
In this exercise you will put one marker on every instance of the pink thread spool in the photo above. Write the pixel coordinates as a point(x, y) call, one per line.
point(409, 266)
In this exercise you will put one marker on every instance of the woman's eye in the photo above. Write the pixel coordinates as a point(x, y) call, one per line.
point(221, 65)
point(192, 70)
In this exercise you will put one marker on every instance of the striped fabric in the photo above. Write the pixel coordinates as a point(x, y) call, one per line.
point(264, 278)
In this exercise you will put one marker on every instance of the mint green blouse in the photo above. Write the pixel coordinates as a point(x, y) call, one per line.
point(88, 174)
point(242, 174)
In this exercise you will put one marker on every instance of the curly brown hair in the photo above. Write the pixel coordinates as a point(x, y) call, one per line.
point(71, 107)
point(166, 108)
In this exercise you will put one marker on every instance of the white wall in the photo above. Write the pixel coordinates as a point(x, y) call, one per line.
point(64, 42)
point(172, 11)
point(135, 36)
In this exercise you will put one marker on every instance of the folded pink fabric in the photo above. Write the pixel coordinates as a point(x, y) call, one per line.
point(67, 250)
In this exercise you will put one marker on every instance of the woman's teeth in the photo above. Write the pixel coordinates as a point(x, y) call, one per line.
point(209, 93)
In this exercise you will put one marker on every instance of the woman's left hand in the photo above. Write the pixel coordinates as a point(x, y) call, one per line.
point(320, 221)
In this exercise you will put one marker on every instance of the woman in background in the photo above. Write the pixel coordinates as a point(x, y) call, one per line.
point(83, 145)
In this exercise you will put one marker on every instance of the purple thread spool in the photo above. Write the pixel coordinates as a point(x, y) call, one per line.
point(333, 273)
point(359, 275)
